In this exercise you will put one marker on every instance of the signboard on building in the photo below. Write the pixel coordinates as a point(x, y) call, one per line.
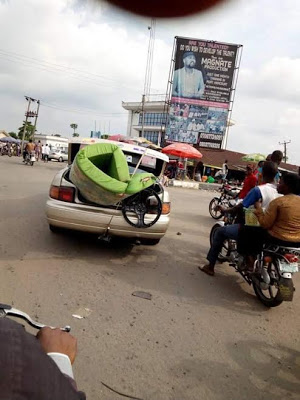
point(201, 91)
point(96, 134)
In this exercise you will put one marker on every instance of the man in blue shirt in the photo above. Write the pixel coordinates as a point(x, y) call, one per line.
point(264, 193)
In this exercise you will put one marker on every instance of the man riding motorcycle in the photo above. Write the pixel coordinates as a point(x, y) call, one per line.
point(266, 193)
point(29, 148)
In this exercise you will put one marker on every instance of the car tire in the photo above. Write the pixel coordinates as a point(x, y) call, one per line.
point(60, 159)
point(54, 229)
point(150, 242)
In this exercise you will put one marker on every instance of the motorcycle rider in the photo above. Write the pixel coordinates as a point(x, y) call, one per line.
point(36, 369)
point(29, 148)
point(266, 193)
point(249, 182)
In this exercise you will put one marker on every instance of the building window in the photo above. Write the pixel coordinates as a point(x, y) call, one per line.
point(152, 136)
point(152, 119)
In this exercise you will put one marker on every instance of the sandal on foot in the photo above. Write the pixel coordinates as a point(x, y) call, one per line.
point(207, 270)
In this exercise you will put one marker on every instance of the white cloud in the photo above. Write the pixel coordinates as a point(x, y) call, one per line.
point(277, 79)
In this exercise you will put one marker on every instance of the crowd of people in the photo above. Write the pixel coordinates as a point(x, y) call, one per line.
point(275, 198)
point(41, 152)
point(10, 149)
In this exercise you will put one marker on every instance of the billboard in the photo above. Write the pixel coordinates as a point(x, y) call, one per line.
point(201, 91)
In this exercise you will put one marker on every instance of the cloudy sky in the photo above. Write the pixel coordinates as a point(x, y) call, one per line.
point(83, 58)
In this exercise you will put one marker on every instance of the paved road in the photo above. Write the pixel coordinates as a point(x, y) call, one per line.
point(198, 338)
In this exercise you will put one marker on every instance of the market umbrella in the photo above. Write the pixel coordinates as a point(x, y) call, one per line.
point(121, 138)
point(255, 157)
point(146, 143)
point(182, 150)
point(8, 139)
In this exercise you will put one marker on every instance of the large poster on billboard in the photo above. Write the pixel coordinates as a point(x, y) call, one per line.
point(201, 90)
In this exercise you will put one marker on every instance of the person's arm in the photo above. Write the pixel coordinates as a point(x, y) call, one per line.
point(201, 85)
point(252, 197)
point(267, 218)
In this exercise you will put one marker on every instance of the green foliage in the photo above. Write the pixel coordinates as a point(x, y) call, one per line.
point(74, 126)
point(29, 130)
point(13, 134)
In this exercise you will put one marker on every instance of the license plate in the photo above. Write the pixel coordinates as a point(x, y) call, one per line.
point(289, 267)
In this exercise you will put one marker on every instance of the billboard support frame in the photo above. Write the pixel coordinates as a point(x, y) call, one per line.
point(233, 92)
point(168, 95)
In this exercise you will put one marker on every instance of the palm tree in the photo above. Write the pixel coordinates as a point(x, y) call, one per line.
point(74, 126)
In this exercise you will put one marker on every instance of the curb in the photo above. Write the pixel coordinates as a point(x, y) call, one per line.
point(195, 185)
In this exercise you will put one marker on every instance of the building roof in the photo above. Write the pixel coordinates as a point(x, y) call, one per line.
point(216, 158)
point(3, 133)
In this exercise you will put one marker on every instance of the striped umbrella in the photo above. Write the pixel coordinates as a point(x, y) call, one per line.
point(255, 157)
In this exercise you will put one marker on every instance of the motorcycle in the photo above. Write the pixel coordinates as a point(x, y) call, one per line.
point(30, 159)
point(272, 275)
point(228, 198)
point(6, 151)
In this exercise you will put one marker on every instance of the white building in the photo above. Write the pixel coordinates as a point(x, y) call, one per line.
point(54, 142)
point(3, 134)
point(154, 119)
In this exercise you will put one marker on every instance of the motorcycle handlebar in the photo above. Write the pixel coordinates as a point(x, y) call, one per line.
point(6, 310)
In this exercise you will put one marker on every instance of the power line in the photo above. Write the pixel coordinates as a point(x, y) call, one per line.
point(74, 73)
point(55, 65)
point(82, 112)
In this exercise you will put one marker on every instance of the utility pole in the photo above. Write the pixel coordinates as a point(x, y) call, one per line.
point(148, 73)
point(284, 151)
point(36, 117)
point(25, 126)
point(143, 114)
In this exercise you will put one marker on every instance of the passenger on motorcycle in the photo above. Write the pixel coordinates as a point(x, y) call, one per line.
point(264, 193)
point(279, 224)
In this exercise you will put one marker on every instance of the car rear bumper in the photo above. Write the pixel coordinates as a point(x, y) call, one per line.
point(86, 218)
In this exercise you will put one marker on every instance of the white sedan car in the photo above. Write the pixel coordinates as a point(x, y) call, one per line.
point(59, 155)
point(144, 216)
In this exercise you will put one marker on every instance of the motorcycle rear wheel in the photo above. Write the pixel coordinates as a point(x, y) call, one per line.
point(269, 297)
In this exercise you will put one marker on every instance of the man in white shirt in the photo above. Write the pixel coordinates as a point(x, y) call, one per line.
point(47, 152)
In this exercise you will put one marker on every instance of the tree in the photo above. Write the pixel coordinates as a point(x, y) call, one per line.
point(74, 126)
point(29, 130)
point(13, 134)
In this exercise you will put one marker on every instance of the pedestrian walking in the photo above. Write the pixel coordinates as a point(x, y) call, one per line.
point(38, 150)
point(43, 152)
point(47, 152)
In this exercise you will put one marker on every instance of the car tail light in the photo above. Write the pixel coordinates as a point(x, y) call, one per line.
point(63, 193)
point(166, 208)
point(292, 258)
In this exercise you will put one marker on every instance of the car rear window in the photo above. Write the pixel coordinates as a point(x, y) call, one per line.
point(148, 163)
